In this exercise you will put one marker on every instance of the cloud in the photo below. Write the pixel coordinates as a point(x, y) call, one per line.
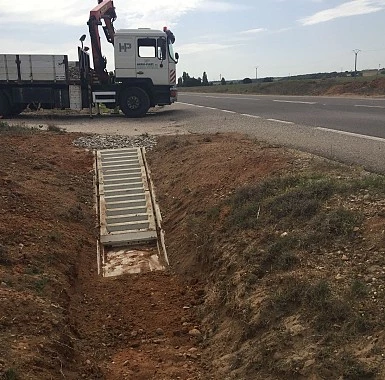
point(350, 8)
point(253, 31)
point(153, 13)
point(45, 11)
point(201, 47)
point(220, 6)
point(131, 14)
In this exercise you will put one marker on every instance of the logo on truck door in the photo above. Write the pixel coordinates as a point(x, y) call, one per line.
point(124, 47)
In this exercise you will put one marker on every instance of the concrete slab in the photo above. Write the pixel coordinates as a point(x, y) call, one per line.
point(131, 237)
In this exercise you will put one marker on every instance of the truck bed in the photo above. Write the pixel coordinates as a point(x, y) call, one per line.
point(33, 68)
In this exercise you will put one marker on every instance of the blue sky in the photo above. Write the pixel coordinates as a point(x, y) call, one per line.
point(223, 38)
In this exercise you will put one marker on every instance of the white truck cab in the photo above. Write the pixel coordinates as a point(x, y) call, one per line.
point(145, 53)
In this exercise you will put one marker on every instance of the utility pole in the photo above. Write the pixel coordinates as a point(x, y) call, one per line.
point(256, 72)
point(355, 51)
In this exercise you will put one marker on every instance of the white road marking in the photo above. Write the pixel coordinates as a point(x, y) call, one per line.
point(193, 105)
point(352, 134)
point(367, 106)
point(281, 121)
point(293, 101)
point(255, 116)
point(229, 97)
point(243, 114)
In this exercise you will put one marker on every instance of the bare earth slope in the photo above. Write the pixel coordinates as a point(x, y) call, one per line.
point(58, 318)
point(277, 266)
point(291, 250)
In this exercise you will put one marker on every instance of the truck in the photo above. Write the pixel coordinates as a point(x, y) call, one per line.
point(144, 74)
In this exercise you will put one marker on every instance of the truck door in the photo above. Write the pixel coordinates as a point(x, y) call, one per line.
point(152, 59)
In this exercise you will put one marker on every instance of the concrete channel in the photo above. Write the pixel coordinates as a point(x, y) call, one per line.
point(131, 238)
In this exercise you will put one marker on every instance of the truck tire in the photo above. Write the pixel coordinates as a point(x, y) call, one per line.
point(5, 107)
point(134, 102)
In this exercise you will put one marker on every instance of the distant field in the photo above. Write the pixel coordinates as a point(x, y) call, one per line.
point(370, 86)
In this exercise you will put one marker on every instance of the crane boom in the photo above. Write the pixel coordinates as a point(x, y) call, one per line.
point(105, 10)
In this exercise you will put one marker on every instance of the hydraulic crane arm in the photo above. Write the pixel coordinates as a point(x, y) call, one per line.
point(105, 10)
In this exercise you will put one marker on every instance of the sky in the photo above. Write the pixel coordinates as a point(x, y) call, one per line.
point(229, 39)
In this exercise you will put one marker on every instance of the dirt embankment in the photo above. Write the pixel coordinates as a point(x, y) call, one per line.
point(357, 86)
point(58, 318)
point(291, 249)
point(278, 267)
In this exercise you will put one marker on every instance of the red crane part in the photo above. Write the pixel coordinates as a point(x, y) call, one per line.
point(105, 10)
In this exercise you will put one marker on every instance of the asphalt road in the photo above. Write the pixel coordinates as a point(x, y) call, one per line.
point(358, 139)
point(364, 116)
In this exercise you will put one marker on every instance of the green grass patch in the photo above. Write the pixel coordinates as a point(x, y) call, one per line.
point(371, 182)
point(288, 297)
point(5, 258)
point(358, 289)
point(318, 295)
point(278, 198)
point(355, 370)
point(40, 284)
point(10, 374)
point(17, 129)
point(335, 223)
point(54, 128)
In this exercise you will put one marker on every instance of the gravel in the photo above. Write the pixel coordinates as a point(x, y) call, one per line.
point(99, 142)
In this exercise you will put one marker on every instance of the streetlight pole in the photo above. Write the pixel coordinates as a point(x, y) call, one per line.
point(256, 72)
point(355, 51)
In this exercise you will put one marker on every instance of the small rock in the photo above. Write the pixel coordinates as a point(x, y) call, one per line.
point(345, 258)
point(88, 362)
point(159, 331)
point(195, 332)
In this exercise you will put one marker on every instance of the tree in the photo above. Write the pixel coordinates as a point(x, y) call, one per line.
point(247, 81)
point(188, 81)
point(180, 81)
point(223, 81)
point(205, 81)
point(185, 78)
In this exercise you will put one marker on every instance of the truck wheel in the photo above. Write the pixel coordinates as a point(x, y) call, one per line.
point(5, 107)
point(134, 102)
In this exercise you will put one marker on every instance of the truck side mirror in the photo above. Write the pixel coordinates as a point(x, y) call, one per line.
point(176, 56)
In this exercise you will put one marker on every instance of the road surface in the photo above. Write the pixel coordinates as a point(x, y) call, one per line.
point(349, 130)
point(364, 116)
